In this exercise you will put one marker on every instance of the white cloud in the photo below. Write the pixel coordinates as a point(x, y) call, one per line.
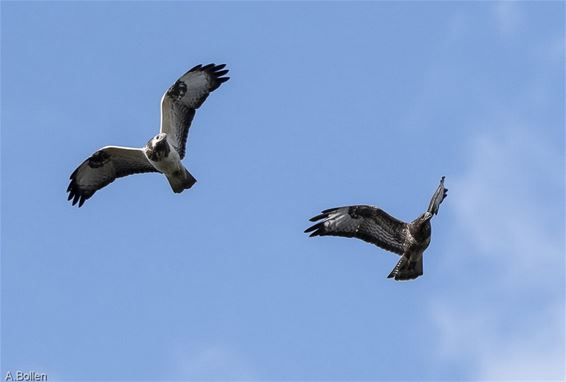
point(508, 242)
point(474, 334)
point(505, 200)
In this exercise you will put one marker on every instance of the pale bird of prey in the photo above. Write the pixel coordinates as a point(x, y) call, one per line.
point(377, 227)
point(162, 153)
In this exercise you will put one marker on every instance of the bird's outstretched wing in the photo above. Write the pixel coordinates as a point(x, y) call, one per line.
point(368, 223)
point(103, 167)
point(180, 101)
point(437, 198)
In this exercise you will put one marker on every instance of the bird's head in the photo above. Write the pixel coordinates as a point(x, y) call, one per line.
point(159, 140)
point(159, 137)
point(420, 227)
point(157, 147)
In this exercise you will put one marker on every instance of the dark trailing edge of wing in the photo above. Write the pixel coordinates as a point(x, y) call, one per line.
point(80, 195)
point(367, 223)
point(318, 228)
point(75, 191)
point(324, 214)
point(190, 114)
point(215, 71)
point(180, 87)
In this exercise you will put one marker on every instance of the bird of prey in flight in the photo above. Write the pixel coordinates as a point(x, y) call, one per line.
point(377, 227)
point(162, 153)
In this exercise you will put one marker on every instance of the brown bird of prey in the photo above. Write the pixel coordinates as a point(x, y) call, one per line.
point(375, 226)
point(162, 153)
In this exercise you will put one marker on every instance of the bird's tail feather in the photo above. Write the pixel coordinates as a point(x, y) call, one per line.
point(181, 181)
point(407, 270)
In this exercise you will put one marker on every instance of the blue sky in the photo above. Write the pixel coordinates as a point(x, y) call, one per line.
point(329, 104)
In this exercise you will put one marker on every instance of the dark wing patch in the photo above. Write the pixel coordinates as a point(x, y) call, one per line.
point(102, 168)
point(181, 100)
point(363, 222)
point(437, 198)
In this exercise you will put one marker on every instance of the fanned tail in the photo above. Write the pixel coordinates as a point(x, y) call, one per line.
point(407, 270)
point(182, 181)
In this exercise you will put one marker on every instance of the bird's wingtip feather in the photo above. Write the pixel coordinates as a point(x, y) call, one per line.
point(318, 217)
